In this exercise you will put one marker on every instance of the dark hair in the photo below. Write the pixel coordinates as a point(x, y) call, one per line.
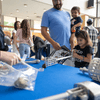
point(15, 25)
point(25, 29)
point(89, 22)
point(76, 8)
point(83, 34)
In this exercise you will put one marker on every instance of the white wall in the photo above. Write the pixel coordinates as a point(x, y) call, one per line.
point(68, 4)
point(98, 10)
point(0, 11)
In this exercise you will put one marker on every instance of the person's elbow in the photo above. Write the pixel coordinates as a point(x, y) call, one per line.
point(43, 30)
point(89, 60)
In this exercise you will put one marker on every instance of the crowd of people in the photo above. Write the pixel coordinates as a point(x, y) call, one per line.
point(62, 31)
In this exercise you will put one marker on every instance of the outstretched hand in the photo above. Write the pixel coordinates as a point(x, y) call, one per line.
point(56, 46)
point(10, 58)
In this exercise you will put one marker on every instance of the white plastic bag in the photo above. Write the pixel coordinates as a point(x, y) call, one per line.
point(24, 79)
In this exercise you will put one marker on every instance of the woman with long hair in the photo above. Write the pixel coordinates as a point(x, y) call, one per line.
point(25, 38)
point(16, 27)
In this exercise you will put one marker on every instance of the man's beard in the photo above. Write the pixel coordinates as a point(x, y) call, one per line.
point(56, 6)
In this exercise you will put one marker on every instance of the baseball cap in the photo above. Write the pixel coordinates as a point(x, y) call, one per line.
point(89, 20)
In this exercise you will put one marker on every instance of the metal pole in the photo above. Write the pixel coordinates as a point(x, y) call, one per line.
point(97, 9)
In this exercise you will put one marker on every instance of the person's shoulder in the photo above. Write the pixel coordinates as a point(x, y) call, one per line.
point(14, 31)
point(90, 27)
point(66, 12)
point(88, 47)
point(93, 28)
point(38, 38)
point(79, 18)
point(49, 11)
point(19, 31)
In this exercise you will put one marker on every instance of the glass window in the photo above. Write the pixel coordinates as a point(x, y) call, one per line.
point(9, 21)
point(37, 25)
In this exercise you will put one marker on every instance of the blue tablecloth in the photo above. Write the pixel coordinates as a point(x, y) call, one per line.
point(53, 80)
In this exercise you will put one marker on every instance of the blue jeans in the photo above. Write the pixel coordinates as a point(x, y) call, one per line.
point(24, 49)
point(93, 53)
point(38, 53)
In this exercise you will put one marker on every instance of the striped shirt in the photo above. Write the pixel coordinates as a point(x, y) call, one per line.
point(93, 33)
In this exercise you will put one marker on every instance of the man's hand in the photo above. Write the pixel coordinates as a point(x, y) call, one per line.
point(10, 58)
point(73, 28)
point(47, 37)
point(56, 46)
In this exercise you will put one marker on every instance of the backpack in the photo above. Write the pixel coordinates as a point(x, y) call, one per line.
point(38, 43)
point(3, 46)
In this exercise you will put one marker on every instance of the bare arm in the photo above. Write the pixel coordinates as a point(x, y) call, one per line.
point(86, 59)
point(14, 36)
point(31, 38)
point(72, 42)
point(47, 37)
point(15, 40)
point(77, 25)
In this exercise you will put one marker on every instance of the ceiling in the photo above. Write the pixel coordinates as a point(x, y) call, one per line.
point(9, 8)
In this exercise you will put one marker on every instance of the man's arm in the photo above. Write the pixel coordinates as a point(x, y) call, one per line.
point(47, 36)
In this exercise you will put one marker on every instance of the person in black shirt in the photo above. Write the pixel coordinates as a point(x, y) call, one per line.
point(83, 51)
point(39, 44)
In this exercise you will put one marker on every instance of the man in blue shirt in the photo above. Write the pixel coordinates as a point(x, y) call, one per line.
point(58, 22)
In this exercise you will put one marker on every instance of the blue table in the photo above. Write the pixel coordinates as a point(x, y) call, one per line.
point(53, 80)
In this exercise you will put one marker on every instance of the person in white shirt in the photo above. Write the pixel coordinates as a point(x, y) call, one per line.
point(16, 27)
